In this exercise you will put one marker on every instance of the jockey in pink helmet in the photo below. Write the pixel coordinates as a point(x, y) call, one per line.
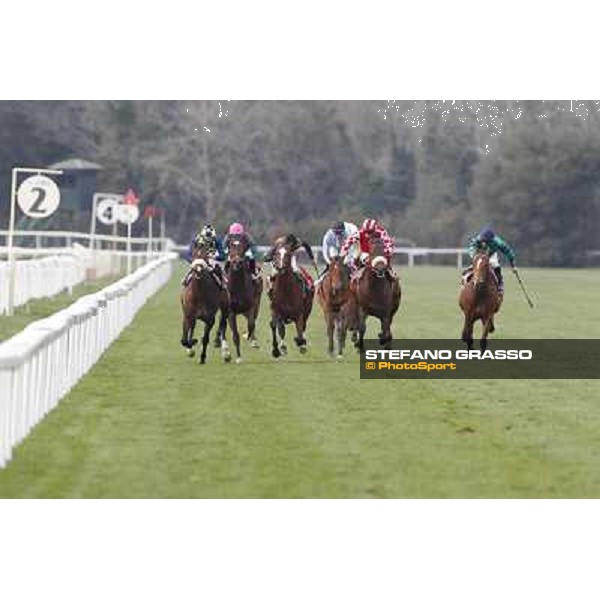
point(237, 231)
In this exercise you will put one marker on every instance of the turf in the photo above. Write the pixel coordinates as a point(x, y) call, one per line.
point(149, 422)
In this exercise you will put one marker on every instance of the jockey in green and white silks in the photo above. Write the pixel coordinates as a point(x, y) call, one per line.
point(492, 244)
point(208, 240)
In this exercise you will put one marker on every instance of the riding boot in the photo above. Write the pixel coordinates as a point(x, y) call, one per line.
point(498, 272)
point(322, 275)
point(218, 275)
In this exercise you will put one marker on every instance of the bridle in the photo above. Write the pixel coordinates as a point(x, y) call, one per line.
point(480, 270)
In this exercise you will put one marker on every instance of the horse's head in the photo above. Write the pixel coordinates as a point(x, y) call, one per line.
point(339, 275)
point(481, 268)
point(237, 250)
point(377, 261)
point(282, 259)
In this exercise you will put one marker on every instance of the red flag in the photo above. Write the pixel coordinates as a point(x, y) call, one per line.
point(150, 211)
point(130, 197)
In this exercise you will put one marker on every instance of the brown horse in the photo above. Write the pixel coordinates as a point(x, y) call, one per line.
point(377, 294)
point(201, 299)
point(291, 301)
point(333, 293)
point(244, 293)
point(479, 300)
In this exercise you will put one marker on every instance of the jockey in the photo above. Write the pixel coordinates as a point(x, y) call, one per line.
point(335, 238)
point(237, 231)
point(294, 244)
point(207, 239)
point(491, 243)
point(370, 229)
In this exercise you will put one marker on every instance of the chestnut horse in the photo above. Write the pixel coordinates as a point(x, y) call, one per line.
point(291, 300)
point(377, 294)
point(201, 299)
point(244, 293)
point(479, 300)
point(333, 293)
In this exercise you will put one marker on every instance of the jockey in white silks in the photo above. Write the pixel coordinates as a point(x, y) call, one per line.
point(334, 239)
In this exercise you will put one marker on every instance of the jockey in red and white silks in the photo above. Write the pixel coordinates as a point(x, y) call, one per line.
point(371, 229)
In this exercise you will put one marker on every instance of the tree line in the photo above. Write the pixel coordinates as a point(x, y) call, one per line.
point(433, 172)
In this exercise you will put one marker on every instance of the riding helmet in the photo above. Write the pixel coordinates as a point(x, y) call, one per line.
point(369, 225)
point(487, 234)
point(208, 231)
point(236, 229)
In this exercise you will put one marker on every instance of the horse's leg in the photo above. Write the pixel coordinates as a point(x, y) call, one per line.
point(275, 350)
point(386, 332)
point(300, 339)
point(362, 328)
point(487, 324)
point(251, 317)
point(208, 325)
point(330, 321)
point(221, 329)
point(187, 339)
point(235, 334)
point(225, 353)
point(467, 332)
point(341, 333)
point(281, 328)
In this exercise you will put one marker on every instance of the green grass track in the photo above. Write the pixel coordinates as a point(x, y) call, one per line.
point(149, 422)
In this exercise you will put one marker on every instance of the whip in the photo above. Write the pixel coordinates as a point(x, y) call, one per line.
point(514, 270)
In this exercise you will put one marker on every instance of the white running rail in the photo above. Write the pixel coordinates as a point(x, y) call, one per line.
point(40, 278)
point(39, 365)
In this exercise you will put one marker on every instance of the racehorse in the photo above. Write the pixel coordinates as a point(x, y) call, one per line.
point(244, 294)
point(479, 300)
point(202, 298)
point(333, 293)
point(291, 300)
point(377, 294)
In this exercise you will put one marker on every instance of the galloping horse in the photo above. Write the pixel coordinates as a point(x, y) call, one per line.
point(377, 295)
point(333, 293)
point(244, 293)
point(201, 299)
point(479, 300)
point(291, 300)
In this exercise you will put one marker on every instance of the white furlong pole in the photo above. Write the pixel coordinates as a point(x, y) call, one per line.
point(128, 248)
point(11, 257)
point(93, 223)
point(149, 236)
